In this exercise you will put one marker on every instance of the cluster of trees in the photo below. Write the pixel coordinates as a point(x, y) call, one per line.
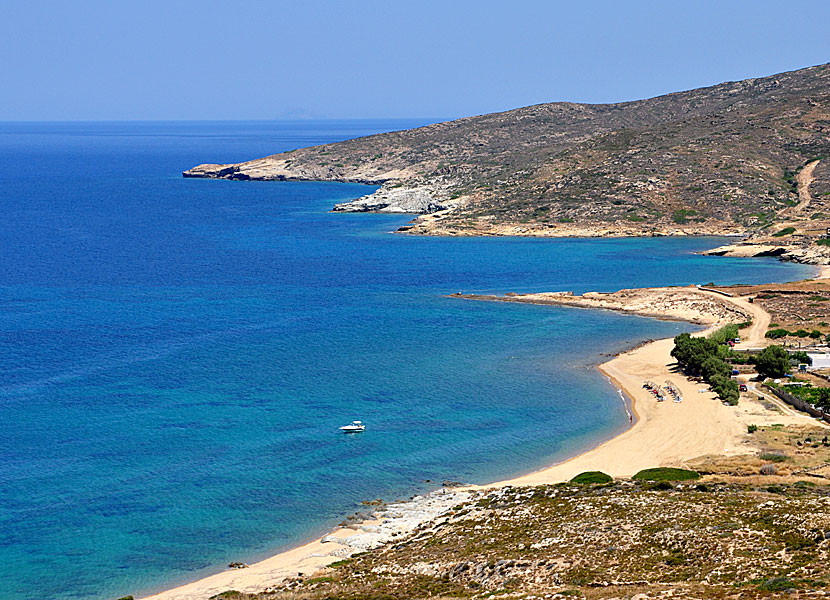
point(707, 357)
point(704, 357)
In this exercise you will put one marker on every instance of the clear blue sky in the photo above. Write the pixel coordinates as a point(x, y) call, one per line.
point(307, 58)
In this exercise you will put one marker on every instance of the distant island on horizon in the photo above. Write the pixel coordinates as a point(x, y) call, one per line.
point(738, 158)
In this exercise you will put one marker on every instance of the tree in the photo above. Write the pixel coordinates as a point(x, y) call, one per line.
point(773, 362)
point(823, 398)
point(705, 356)
point(713, 366)
point(801, 357)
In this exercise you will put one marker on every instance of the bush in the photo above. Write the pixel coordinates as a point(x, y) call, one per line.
point(768, 470)
point(775, 334)
point(744, 325)
point(666, 474)
point(660, 485)
point(777, 584)
point(773, 456)
point(823, 242)
point(815, 334)
point(751, 428)
point(726, 333)
point(802, 333)
point(681, 216)
point(804, 484)
point(589, 477)
point(785, 231)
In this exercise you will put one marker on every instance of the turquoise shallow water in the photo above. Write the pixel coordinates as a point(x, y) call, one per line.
point(177, 355)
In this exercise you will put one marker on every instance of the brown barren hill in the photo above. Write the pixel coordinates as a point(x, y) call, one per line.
point(722, 159)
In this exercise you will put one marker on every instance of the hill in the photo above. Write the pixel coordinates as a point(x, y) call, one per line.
point(732, 158)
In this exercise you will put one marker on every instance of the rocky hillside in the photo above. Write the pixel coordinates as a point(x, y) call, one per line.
point(625, 540)
point(726, 158)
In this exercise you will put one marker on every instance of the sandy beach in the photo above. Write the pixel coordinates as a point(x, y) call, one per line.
point(663, 434)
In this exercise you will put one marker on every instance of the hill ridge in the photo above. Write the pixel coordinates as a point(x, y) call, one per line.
point(718, 159)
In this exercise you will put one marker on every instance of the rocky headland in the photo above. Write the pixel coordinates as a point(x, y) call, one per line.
point(744, 158)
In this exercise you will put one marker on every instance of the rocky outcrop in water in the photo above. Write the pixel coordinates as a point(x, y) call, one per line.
point(397, 200)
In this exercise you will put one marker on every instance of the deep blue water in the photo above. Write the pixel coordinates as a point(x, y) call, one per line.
point(176, 355)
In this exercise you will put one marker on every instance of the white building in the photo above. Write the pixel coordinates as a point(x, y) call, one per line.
point(821, 360)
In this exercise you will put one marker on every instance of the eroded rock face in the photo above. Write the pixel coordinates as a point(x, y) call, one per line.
point(397, 200)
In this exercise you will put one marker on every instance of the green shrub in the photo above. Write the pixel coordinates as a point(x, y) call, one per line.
point(724, 334)
point(744, 324)
point(340, 563)
point(589, 477)
point(785, 231)
point(681, 217)
point(666, 474)
point(751, 428)
point(804, 484)
point(773, 456)
point(777, 584)
point(775, 334)
point(823, 242)
point(815, 334)
point(660, 485)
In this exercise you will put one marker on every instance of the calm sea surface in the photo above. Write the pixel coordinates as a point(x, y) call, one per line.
point(176, 354)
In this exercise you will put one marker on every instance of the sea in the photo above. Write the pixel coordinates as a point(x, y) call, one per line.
point(176, 355)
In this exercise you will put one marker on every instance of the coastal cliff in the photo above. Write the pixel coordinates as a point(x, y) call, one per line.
point(737, 158)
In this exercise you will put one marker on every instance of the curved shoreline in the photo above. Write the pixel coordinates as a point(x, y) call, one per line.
point(660, 434)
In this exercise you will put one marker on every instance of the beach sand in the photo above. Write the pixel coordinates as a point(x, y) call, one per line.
point(663, 434)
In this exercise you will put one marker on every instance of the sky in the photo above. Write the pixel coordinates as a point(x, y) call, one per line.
point(171, 60)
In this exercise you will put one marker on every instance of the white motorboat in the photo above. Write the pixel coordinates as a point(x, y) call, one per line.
point(353, 427)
